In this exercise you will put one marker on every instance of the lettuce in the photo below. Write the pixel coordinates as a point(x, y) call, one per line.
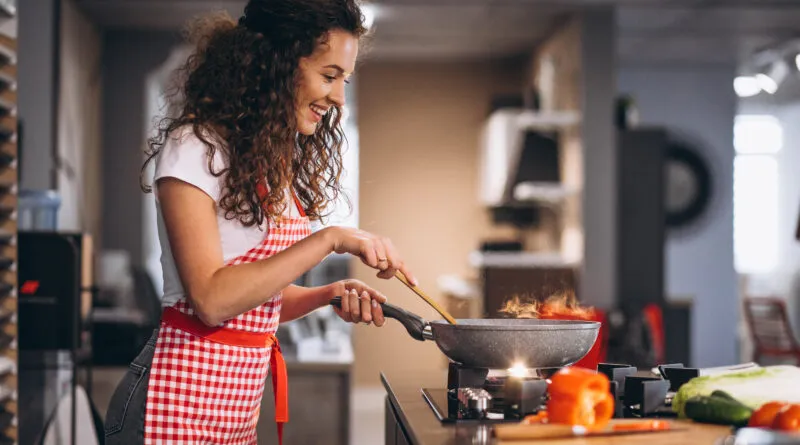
point(752, 388)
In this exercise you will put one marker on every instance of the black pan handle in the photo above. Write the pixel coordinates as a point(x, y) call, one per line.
point(414, 324)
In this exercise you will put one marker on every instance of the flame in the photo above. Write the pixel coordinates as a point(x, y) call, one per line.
point(518, 370)
point(562, 305)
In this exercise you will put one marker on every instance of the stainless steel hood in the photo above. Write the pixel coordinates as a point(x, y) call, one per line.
point(515, 145)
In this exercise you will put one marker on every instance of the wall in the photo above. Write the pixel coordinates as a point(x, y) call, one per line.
point(128, 58)
point(784, 281)
point(583, 57)
point(419, 129)
point(598, 285)
point(37, 77)
point(79, 122)
point(561, 52)
point(700, 101)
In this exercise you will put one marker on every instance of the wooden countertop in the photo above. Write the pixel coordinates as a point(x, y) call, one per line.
point(423, 428)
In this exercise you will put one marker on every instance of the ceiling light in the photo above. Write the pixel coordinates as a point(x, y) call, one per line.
point(766, 83)
point(797, 61)
point(770, 80)
point(746, 86)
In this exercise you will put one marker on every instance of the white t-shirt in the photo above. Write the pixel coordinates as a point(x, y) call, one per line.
point(185, 157)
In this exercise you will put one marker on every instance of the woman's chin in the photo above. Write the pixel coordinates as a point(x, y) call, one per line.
point(307, 128)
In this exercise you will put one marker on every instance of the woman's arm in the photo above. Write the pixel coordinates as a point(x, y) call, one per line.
point(298, 301)
point(218, 293)
point(357, 301)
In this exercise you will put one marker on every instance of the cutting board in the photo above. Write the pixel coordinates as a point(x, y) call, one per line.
point(685, 432)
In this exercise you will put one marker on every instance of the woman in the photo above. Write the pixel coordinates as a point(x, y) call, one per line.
point(252, 155)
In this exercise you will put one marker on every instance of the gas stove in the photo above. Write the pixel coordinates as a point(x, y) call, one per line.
point(477, 395)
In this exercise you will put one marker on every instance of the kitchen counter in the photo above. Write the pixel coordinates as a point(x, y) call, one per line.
point(409, 420)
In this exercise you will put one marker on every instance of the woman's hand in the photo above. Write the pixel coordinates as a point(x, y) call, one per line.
point(374, 251)
point(360, 303)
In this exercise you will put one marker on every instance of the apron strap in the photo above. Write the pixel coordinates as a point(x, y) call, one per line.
point(261, 189)
point(279, 386)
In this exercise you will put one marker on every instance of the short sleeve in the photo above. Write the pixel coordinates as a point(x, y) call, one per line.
point(185, 157)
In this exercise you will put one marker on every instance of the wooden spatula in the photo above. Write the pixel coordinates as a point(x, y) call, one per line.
point(399, 275)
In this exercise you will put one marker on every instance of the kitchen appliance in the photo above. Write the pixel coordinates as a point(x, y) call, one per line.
point(480, 395)
point(54, 300)
point(496, 342)
point(521, 147)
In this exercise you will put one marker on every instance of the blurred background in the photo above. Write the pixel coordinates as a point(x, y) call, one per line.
point(637, 153)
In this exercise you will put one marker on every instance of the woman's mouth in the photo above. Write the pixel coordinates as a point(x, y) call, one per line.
point(317, 112)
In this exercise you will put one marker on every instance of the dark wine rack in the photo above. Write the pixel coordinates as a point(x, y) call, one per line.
point(8, 230)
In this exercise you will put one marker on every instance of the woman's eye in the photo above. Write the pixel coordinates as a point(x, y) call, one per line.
point(329, 78)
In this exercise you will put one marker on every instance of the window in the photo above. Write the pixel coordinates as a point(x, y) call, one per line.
point(757, 139)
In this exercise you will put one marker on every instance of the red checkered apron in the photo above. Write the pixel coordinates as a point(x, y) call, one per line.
point(206, 383)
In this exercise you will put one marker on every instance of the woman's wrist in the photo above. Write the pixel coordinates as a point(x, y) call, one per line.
point(325, 294)
point(328, 236)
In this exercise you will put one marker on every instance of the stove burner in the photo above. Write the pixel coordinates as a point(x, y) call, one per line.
point(486, 396)
point(491, 396)
point(474, 400)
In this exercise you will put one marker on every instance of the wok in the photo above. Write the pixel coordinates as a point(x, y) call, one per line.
point(500, 343)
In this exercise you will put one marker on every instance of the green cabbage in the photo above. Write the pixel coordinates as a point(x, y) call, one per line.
point(753, 387)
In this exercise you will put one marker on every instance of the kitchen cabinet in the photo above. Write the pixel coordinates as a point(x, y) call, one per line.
point(395, 435)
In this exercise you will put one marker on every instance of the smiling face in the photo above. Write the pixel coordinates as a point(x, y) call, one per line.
point(322, 78)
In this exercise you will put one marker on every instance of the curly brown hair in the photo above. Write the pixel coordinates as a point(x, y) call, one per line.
point(237, 93)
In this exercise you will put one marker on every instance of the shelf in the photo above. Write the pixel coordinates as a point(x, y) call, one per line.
point(8, 82)
point(8, 214)
point(479, 260)
point(6, 10)
point(7, 55)
point(547, 120)
point(7, 135)
point(7, 160)
point(7, 108)
point(543, 193)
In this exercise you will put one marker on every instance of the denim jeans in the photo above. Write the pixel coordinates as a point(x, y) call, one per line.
point(124, 423)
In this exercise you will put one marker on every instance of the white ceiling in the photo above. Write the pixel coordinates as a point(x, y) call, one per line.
point(649, 31)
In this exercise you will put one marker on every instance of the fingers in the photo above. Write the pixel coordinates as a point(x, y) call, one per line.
point(355, 306)
point(393, 260)
point(381, 254)
point(410, 277)
point(366, 307)
point(360, 303)
point(368, 254)
point(374, 251)
point(345, 312)
point(377, 314)
point(343, 315)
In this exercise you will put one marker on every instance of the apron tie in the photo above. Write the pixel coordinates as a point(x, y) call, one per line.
point(280, 388)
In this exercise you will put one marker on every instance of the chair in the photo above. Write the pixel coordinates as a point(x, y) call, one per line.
point(770, 329)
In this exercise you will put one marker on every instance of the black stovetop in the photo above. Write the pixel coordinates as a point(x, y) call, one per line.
point(636, 394)
point(446, 409)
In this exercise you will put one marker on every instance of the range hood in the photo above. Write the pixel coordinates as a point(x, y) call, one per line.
point(520, 157)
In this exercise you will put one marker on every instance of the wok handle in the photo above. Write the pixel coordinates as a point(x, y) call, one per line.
point(414, 324)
